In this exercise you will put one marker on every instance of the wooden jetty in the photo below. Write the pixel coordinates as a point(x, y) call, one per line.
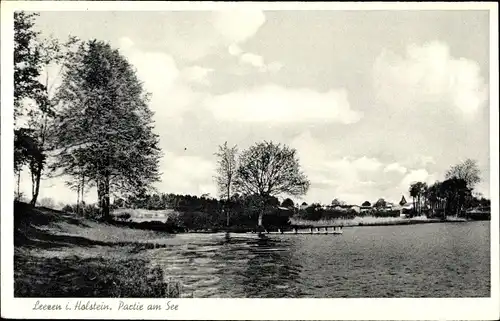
point(319, 230)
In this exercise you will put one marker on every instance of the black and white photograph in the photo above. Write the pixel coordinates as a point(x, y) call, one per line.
point(247, 152)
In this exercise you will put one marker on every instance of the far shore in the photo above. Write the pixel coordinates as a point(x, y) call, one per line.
point(375, 221)
point(157, 221)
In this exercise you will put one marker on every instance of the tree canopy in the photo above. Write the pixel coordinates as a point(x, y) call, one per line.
point(270, 169)
point(267, 170)
point(226, 169)
point(288, 202)
point(380, 203)
point(104, 127)
point(467, 170)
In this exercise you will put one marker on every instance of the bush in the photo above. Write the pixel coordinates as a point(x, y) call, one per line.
point(123, 216)
point(69, 208)
point(392, 213)
point(47, 202)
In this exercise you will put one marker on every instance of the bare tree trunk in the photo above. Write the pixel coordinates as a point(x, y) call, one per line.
point(100, 195)
point(82, 190)
point(414, 206)
point(78, 199)
point(18, 183)
point(228, 200)
point(261, 216)
point(106, 212)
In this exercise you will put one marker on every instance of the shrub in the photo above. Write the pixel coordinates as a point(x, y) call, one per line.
point(392, 213)
point(69, 208)
point(123, 216)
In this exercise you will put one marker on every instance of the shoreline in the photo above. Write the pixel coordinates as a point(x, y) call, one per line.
point(358, 224)
point(311, 224)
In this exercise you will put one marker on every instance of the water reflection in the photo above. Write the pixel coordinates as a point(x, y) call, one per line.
point(436, 260)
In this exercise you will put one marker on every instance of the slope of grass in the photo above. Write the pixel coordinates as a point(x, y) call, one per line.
point(60, 255)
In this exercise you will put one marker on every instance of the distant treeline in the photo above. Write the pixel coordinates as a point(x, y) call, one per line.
point(200, 213)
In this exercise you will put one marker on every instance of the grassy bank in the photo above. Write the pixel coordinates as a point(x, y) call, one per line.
point(60, 255)
point(372, 221)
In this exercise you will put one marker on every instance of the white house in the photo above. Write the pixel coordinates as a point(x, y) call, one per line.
point(355, 208)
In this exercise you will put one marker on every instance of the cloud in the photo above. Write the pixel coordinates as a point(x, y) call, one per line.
point(252, 59)
point(273, 103)
point(258, 62)
point(171, 93)
point(196, 74)
point(417, 175)
point(238, 26)
point(274, 66)
point(187, 174)
point(332, 175)
point(395, 167)
point(428, 74)
point(366, 164)
point(234, 50)
point(151, 66)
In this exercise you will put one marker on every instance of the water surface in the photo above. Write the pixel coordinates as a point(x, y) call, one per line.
point(428, 260)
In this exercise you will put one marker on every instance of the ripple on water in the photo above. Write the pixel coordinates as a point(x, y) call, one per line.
point(403, 261)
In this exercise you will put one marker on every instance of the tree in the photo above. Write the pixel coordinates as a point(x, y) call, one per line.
point(28, 65)
point(288, 203)
point(226, 172)
point(32, 96)
point(40, 119)
point(337, 202)
point(414, 190)
point(104, 127)
point(432, 196)
point(268, 169)
point(366, 203)
point(456, 192)
point(380, 203)
point(417, 192)
point(467, 170)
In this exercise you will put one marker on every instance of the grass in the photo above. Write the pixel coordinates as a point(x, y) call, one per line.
point(371, 221)
point(75, 276)
point(60, 255)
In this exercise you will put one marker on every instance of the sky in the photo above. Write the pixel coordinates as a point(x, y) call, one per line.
point(371, 100)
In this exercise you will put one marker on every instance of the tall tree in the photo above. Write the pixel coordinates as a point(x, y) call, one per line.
point(417, 191)
point(414, 192)
point(268, 169)
point(105, 127)
point(41, 120)
point(456, 193)
point(28, 65)
point(32, 103)
point(467, 170)
point(366, 203)
point(226, 172)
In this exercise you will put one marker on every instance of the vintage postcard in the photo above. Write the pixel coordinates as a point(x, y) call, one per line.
point(249, 161)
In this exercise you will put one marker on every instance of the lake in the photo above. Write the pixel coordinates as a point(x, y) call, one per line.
point(427, 260)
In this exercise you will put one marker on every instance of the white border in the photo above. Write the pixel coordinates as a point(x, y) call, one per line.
point(248, 309)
